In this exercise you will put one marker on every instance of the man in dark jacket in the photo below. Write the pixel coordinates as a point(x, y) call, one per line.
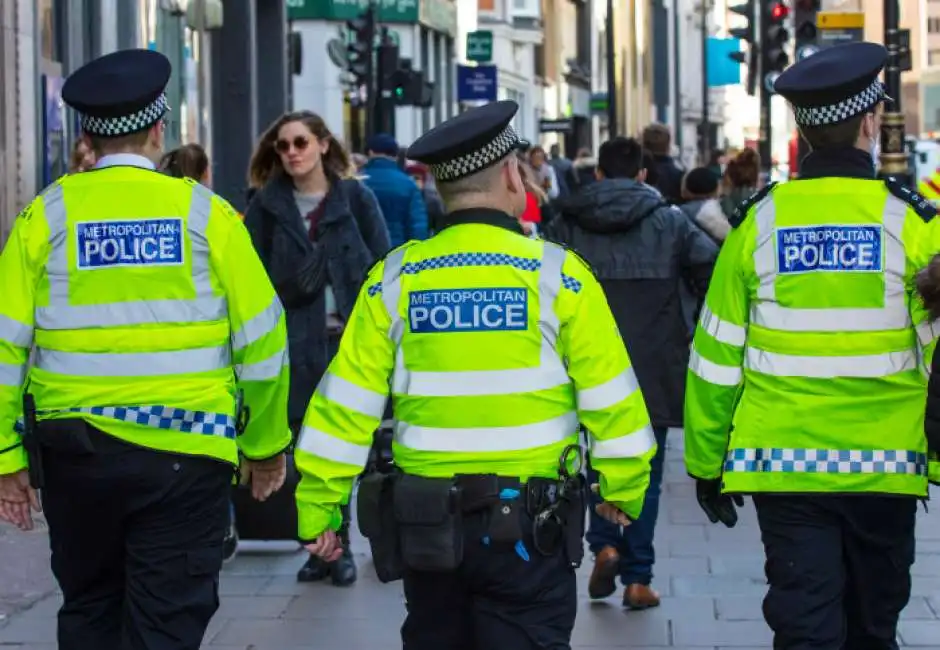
point(401, 201)
point(658, 141)
point(641, 249)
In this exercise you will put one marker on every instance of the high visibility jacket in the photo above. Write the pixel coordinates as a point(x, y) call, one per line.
point(494, 347)
point(807, 370)
point(146, 308)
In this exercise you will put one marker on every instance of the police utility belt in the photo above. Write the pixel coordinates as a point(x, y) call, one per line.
point(417, 523)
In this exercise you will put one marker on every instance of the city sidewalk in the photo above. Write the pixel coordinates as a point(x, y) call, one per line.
point(711, 579)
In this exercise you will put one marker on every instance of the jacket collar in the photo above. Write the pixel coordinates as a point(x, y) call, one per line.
point(125, 160)
point(844, 162)
point(485, 216)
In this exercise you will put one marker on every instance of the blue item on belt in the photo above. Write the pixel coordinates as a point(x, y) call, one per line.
point(510, 494)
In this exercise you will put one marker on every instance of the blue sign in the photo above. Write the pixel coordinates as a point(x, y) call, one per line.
point(142, 242)
point(468, 310)
point(805, 249)
point(721, 69)
point(476, 83)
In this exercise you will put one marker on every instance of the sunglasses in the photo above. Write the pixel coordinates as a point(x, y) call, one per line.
point(300, 143)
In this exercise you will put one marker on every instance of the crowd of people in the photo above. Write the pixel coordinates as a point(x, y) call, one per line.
point(649, 229)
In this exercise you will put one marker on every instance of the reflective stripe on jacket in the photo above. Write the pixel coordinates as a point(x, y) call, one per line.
point(146, 308)
point(807, 370)
point(493, 357)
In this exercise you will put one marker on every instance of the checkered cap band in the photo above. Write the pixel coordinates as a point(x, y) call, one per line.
point(844, 110)
point(471, 163)
point(112, 127)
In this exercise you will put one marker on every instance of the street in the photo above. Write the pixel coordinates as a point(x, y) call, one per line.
point(711, 579)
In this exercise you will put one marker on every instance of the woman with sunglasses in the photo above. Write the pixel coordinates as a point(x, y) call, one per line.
point(317, 230)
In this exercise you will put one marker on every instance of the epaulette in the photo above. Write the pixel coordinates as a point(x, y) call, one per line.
point(740, 212)
point(924, 208)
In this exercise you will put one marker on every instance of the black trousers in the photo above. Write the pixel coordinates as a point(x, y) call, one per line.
point(838, 569)
point(136, 540)
point(494, 601)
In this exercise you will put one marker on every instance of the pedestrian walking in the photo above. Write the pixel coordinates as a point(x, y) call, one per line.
point(317, 231)
point(402, 202)
point(643, 252)
point(159, 357)
point(494, 347)
point(188, 161)
point(805, 386)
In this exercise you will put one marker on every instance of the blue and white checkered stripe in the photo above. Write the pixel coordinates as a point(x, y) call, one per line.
point(827, 461)
point(841, 111)
point(112, 127)
point(159, 417)
point(463, 260)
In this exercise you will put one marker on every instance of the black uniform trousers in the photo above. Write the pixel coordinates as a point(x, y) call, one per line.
point(494, 601)
point(838, 569)
point(136, 540)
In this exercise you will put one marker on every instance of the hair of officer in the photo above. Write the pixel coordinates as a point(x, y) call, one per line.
point(620, 157)
point(657, 139)
point(123, 143)
point(266, 163)
point(833, 136)
point(188, 161)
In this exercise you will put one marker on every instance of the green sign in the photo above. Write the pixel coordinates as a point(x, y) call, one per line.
point(389, 11)
point(480, 46)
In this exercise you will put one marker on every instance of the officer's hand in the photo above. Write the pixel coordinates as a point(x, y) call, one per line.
point(264, 476)
point(609, 511)
point(327, 547)
point(18, 500)
point(717, 506)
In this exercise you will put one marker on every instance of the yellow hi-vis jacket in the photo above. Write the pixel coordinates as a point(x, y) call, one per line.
point(146, 308)
point(808, 367)
point(494, 346)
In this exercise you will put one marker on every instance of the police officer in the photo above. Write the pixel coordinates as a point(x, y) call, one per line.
point(810, 343)
point(495, 347)
point(148, 314)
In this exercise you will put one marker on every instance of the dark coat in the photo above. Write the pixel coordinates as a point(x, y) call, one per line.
point(402, 202)
point(352, 234)
point(668, 176)
point(642, 250)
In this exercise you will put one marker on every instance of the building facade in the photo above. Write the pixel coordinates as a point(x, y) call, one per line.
point(425, 31)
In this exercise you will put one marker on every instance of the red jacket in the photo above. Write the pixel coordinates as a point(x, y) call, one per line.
point(533, 213)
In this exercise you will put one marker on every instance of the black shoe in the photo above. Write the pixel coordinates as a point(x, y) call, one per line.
point(313, 570)
point(343, 570)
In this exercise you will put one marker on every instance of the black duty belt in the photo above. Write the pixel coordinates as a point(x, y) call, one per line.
point(481, 491)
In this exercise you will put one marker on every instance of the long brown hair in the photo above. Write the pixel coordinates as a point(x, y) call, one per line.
point(188, 161)
point(266, 163)
point(743, 170)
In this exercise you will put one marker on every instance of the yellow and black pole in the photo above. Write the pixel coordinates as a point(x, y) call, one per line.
point(894, 159)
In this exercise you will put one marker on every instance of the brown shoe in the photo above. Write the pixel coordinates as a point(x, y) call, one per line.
point(637, 596)
point(603, 580)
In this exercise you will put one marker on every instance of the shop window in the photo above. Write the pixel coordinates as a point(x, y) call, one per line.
point(51, 17)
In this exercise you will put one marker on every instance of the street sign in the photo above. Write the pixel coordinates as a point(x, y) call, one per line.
point(476, 83)
point(600, 102)
point(840, 27)
point(480, 46)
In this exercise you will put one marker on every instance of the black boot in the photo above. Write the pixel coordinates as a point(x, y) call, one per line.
point(313, 570)
point(343, 571)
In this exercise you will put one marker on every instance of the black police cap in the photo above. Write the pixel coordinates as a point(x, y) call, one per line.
point(835, 84)
point(119, 93)
point(468, 143)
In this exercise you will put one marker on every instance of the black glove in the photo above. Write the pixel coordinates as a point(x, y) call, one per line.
point(718, 506)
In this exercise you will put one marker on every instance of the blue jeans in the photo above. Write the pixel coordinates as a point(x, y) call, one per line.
point(635, 544)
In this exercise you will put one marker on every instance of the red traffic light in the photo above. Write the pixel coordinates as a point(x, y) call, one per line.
point(779, 11)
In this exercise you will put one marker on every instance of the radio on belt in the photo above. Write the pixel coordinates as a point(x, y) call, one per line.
point(804, 249)
point(142, 242)
point(468, 310)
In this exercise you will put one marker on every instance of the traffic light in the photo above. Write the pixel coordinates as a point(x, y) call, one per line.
point(774, 40)
point(804, 18)
point(747, 34)
point(359, 47)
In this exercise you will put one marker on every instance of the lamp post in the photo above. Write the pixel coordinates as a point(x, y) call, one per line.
point(611, 72)
point(893, 157)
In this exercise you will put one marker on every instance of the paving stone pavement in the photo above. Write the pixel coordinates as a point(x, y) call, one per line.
point(711, 580)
